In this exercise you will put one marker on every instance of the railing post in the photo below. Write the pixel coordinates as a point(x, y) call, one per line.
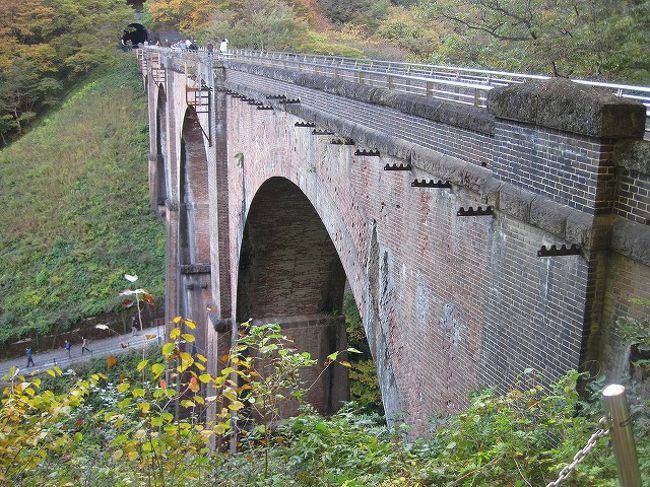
point(429, 88)
point(361, 77)
point(477, 97)
point(390, 82)
point(622, 437)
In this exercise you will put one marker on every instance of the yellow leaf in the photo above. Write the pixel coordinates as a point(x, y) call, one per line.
point(235, 405)
point(144, 407)
point(175, 333)
point(230, 393)
point(177, 319)
point(157, 370)
point(132, 455)
point(188, 337)
point(186, 358)
point(111, 361)
point(190, 324)
point(117, 454)
point(345, 363)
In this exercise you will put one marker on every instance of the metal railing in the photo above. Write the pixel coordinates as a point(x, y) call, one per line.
point(468, 86)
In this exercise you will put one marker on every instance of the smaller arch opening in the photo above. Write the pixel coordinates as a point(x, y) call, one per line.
point(134, 34)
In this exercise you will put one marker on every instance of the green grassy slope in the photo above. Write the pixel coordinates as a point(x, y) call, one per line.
point(74, 213)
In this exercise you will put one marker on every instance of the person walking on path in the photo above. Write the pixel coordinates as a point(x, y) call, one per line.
point(135, 323)
point(30, 359)
point(68, 347)
point(223, 47)
point(84, 346)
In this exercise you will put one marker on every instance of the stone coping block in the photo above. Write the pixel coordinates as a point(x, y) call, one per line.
point(632, 240)
point(561, 104)
point(454, 114)
point(633, 155)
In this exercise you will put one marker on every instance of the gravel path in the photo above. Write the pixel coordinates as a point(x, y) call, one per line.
point(100, 348)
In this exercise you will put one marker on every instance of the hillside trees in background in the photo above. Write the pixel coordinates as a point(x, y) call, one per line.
point(46, 43)
point(258, 24)
point(579, 38)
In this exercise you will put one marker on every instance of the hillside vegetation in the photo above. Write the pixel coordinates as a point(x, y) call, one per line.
point(75, 213)
point(602, 39)
point(45, 45)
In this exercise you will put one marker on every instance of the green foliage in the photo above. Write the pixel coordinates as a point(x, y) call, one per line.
point(77, 215)
point(636, 332)
point(364, 383)
point(46, 42)
point(146, 427)
point(590, 38)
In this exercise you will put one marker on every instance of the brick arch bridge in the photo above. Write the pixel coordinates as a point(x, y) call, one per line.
point(281, 179)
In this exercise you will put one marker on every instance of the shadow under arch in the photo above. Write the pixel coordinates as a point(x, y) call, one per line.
point(291, 273)
point(160, 178)
point(193, 275)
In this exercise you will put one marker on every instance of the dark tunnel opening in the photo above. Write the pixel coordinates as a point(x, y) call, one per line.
point(136, 33)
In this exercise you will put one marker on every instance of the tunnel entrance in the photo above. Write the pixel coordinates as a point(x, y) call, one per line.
point(135, 34)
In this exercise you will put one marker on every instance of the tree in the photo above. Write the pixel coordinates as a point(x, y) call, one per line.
point(564, 37)
point(44, 43)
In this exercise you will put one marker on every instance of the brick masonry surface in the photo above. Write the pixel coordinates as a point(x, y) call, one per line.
point(468, 145)
point(568, 168)
point(448, 302)
point(633, 200)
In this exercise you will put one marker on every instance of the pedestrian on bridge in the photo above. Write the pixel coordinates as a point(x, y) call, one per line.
point(30, 359)
point(67, 345)
point(223, 47)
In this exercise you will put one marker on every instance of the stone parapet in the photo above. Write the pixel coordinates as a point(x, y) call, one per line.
point(454, 114)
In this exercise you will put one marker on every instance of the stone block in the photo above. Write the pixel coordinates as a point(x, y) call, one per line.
point(564, 105)
point(549, 216)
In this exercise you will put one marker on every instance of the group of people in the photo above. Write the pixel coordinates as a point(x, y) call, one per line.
point(192, 45)
point(67, 346)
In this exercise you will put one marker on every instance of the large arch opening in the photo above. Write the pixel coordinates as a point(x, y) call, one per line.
point(134, 34)
point(194, 294)
point(290, 273)
point(160, 188)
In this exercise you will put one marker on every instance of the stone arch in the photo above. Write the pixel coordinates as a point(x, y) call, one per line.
point(194, 294)
point(290, 272)
point(161, 174)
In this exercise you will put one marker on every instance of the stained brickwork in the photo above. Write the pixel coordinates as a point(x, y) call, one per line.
point(448, 302)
